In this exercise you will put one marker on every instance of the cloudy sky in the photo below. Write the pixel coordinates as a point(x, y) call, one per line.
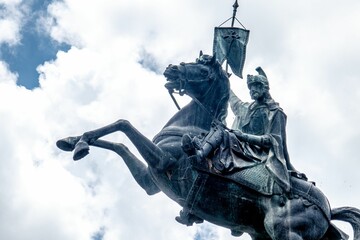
point(73, 65)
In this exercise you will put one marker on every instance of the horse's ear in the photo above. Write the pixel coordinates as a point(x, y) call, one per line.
point(201, 53)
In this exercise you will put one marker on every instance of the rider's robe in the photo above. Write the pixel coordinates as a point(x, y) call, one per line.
point(259, 119)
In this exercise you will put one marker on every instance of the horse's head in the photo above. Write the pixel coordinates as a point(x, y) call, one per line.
point(195, 79)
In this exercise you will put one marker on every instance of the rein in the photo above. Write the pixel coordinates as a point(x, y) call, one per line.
point(171, 91)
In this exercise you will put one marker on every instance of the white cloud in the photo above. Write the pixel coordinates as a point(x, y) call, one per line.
point(6, 76)
point(10, 21)
point(309, 53)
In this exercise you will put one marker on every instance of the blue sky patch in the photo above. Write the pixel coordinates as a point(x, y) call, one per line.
point(35, 48)
point(149, 62)
point(99, 235)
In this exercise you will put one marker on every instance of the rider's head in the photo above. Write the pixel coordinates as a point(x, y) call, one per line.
point(258, 85)
point(259, 79)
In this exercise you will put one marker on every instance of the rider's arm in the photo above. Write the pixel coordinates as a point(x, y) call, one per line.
point(235, 102)
point(262, 141)
point(239, 109)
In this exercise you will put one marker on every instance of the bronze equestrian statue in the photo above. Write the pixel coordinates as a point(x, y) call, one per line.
point(210, 187)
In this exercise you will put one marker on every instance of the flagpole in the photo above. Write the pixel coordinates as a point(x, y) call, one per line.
point(235, 6)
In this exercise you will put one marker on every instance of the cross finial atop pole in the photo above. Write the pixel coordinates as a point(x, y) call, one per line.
point(235, 6)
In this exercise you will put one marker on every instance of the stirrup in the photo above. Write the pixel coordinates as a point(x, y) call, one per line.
point(81, 150)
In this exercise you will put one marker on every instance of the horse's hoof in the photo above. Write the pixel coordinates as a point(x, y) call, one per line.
point(67, 144)
point(81, 150)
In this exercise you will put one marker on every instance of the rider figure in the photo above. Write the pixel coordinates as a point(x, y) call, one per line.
point(259, 126)
point(263, 123)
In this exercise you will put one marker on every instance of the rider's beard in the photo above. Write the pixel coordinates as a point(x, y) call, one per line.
point(257, 96)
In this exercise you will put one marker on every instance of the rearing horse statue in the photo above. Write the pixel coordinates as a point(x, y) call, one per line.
point(303, 213)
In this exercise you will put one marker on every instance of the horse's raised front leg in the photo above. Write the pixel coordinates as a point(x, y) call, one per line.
point(137, 168)
point(152, 154)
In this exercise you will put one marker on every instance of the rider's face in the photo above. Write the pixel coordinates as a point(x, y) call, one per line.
point(257, 91)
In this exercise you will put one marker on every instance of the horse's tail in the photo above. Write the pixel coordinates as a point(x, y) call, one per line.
point(350, 215)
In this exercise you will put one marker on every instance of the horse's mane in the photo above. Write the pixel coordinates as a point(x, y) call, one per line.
point(222, 76)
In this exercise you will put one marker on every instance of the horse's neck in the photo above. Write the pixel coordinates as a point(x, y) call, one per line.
point(194, 115)
point(216, 104)
point(190, 115)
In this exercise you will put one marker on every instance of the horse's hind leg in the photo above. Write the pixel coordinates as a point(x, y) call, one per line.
point(152, 154)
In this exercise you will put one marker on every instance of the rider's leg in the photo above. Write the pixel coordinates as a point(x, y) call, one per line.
point(194, 147)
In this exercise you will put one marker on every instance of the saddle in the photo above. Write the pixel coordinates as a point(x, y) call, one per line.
point(255, 177)
point(260, 180)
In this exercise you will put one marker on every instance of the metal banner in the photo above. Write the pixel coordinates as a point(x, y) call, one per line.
point(230, 44)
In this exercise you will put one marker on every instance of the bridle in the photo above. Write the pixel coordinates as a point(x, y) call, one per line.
point(184, 80)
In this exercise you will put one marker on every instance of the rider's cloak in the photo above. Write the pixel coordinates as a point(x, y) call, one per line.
point(259, 119)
